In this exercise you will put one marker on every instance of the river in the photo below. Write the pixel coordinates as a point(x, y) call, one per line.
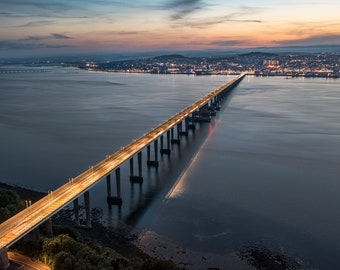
point(263, 173)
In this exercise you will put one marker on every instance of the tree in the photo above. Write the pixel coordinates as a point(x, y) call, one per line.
point(64, 260)
point(10, 204)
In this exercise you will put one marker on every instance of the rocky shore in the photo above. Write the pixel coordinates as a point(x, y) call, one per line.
point(149, 245)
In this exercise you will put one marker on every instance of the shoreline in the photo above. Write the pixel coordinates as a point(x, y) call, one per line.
point(24, 193)
point(151, 246)
point(285, 76)
point(145, 245)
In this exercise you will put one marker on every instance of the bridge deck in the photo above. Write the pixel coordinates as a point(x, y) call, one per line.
point(26, 220)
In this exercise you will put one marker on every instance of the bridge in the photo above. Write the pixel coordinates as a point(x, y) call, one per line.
point(41, 212)
point(28, 70)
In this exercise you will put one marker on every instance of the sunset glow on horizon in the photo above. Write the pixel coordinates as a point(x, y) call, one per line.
point(59, 26)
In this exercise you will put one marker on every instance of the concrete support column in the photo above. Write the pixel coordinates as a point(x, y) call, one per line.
point(87, 209)
point(148, 153)
point(76, 212)
point(191, 125)
point(139, 155)
point(115, 200)
point(131, 167)
point(108, 185)
point(162, 142)
point(118, 182)
point(48, 227)
point(36, 235)
point(165, 150)
point(153, 163)
point(185, 131)
point(4, 261)
point(173, 140)
point(155, 144)
point(136, 178)
point(168, 139)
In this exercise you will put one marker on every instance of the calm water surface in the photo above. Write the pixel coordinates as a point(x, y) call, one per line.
point(263, 172)
point(267, 174)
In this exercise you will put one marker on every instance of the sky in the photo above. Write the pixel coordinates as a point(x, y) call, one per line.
point(59, 26)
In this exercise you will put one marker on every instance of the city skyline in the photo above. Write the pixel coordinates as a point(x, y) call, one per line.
point(36, 27)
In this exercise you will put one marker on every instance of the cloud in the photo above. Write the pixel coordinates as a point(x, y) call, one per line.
point(45, 9)
point(36, 23)
point(45, 5)
point(127, 33)
point(182, 8)
point(238, 16)
point(323, 39)
point(18, 45)
point(33, 38)
point(7, 14)
point(38, 38)
point(34, 42)
point(118, 33)
point(60, 36)
point(203, 23)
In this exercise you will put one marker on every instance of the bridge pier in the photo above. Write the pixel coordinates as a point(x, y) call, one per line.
point(153, 163)
point(184, 132)
point(76, 212)
point(108, 185)
point(191, 123)
point(49, 227)
point(135, 178)
point(173, 140)
point(118, 182)
point(4, 261)
point(36, 235)
point(115, 200)
point(167, 150)
point(179, 130)
point(88, 224)
point(87, 209)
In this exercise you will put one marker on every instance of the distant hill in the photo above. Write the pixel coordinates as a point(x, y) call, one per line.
point(169, 57)
point(257, 54)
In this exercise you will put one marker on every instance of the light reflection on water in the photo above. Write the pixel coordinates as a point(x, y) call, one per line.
point(269, 175)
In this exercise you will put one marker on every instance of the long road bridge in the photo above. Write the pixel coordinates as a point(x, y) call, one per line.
point(27, 70)
point(34, 215)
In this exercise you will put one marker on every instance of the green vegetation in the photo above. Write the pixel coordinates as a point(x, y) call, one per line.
point(69, 250)
point(64, 252)
point(10, 204)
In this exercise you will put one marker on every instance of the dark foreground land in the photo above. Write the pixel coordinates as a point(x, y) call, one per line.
point(121, 241)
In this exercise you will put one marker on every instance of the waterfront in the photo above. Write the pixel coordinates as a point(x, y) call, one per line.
point(251, 176)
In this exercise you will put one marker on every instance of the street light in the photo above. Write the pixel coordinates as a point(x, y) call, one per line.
point(50, 195)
